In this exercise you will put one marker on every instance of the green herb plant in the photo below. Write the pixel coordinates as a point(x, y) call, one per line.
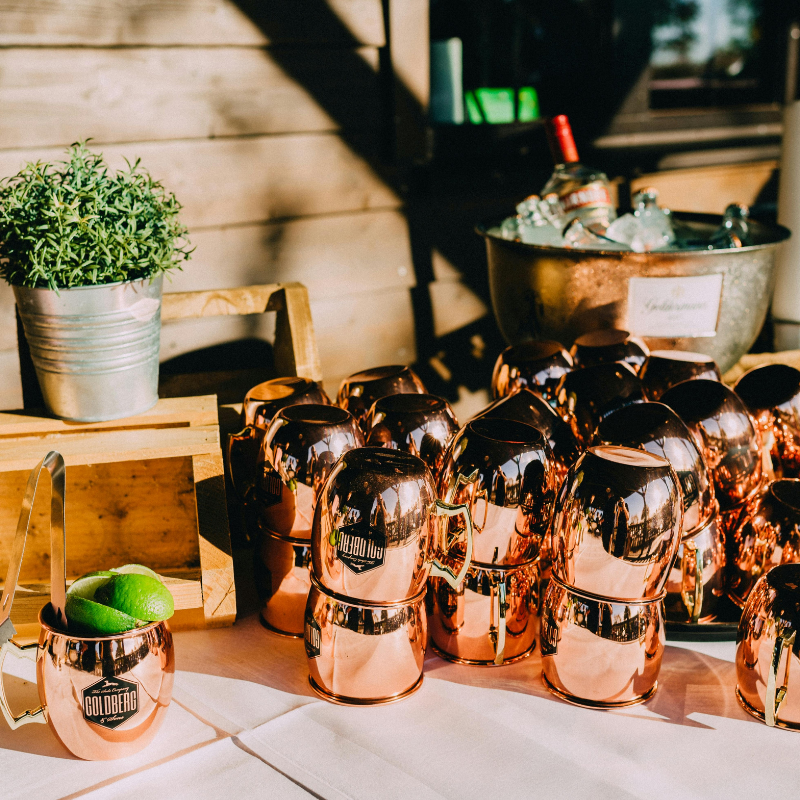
point(75, 223)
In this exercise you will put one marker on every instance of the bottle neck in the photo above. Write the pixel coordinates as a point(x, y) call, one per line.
point(562, 143)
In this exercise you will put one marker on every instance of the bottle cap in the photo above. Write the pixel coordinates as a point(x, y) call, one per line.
point(561, 141)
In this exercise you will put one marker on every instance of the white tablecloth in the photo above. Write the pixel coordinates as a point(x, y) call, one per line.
point(244, 723)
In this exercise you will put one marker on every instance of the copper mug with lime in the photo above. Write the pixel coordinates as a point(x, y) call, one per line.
point(104, 696)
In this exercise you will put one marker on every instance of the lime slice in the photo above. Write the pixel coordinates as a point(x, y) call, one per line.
point(139, 596)
point(137, 569)
point(96, 619)
point(88, 584)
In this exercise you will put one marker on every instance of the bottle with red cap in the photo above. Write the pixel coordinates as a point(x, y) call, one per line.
point(583, 193)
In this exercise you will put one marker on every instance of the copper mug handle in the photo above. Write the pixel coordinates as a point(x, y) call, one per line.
point(29, 715)
point(776, 695)
point(242, 456)
point(497, 633)
point(53, 462)
point(691, 566)
point(440, 570)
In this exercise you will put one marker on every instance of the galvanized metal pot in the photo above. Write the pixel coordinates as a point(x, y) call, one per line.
point(95, 348)
point(557, 293)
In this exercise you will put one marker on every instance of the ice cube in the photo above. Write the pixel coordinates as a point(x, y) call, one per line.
point(509, 228)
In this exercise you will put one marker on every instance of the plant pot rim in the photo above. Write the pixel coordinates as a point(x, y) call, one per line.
point(82, 288)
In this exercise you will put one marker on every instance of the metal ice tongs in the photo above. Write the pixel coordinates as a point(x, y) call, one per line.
point(54, 463)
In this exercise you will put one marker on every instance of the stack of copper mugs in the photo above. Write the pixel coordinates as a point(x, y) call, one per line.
point(505, 472)
point(376, 539)
point(766, 532)
point(278, 464)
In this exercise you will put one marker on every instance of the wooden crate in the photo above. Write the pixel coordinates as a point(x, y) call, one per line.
point(148, 489)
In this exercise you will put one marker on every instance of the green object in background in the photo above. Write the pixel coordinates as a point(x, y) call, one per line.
point(496, 106)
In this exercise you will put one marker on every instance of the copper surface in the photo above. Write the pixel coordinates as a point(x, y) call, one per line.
point(301, 446)
point(768, 647)
point(262, 402)
point(772, 395)
point(667, 368)
point(618, 524)
point(74, 671)
point(726, 435)
point(421, 424)
point(526, 406)
point(504, 471)
point(490, 619)
point(696, 581)
point(607, 346)
point(364, 654)
point(358, 392)
point(766, 534)
point(376, 534)
point(535, 365)
point(541, 292)
point(600, 652)
point(585, 397)
point(657, 429)
point(286, 565)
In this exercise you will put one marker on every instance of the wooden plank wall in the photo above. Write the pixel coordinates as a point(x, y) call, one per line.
point(269, 121)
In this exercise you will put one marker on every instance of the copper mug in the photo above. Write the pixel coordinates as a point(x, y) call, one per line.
point(287, 581)
point(598, 652)
point(666, 368)
point(376, 535)
point(772, 395)
point(609, 346)
point(726, 435)
point(696, 581)
point(585, 397)
point(262, 402)
point(302, 444)
point(768, 647)
point(618, 524)
point(657, 429)
point(421, 424)
point(363, 654)
point(104, 697)
point(503, 471)
point(537, 366)
point(358, 392)
point(767, 534)
point(528, 407)
point(260, 405)
point(490, 619)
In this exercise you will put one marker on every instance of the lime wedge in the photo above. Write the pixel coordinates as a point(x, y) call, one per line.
point(139, 596)
point(96, 619)
point(88, 584)
point(137, 569)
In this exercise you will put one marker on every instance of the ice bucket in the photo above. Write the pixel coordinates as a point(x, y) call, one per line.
point(554, 293)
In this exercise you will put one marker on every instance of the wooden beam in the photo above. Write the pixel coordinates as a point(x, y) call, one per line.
point(252, 179)
point(51, 97)
point(190, 22)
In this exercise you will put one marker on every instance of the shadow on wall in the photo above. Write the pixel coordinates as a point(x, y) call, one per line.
point(462, 357)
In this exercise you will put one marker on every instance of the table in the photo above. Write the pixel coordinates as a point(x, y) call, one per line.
point(244, 723)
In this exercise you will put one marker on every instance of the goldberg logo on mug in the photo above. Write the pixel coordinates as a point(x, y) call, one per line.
point(312, 637)
point(359, 547)
point(110, 702)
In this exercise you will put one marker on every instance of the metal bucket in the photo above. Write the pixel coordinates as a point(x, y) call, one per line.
point(95, 348)
point(554, 293)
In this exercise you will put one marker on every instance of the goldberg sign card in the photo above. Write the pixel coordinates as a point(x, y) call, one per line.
point(674, 307)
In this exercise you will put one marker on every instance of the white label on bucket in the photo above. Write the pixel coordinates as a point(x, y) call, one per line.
point(674, 307)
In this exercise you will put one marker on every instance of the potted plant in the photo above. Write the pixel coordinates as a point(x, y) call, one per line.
point(85, 250)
